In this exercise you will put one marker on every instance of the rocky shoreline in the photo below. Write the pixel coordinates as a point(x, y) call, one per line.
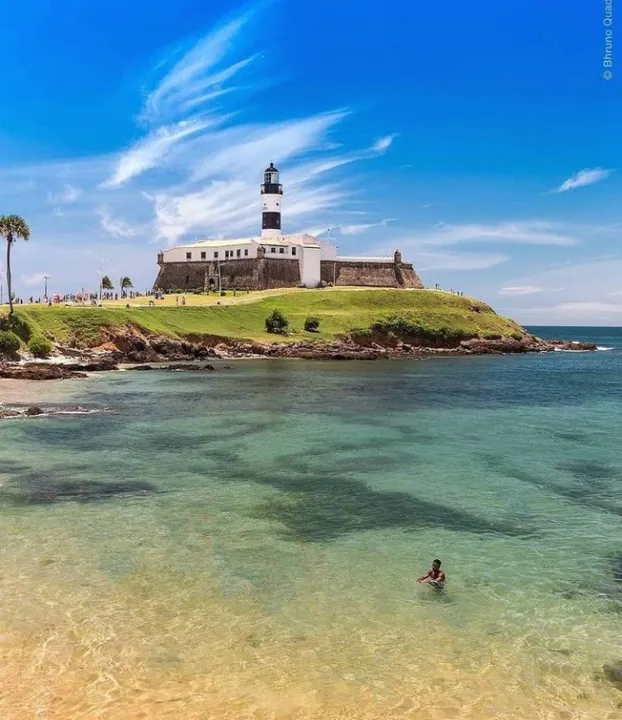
point(140, 350)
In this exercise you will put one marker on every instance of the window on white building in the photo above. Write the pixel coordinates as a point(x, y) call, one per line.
point(282, 251)
point(203, 256)
point(273, 250)
point(215, 254)
point(246, 253)
point(238, 253)
point(188, 256)
point(293, 251)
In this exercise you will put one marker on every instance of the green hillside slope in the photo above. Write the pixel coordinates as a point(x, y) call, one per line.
point(339, 311)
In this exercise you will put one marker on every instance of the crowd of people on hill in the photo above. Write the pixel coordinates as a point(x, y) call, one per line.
point(84, 298)
point(451, 290)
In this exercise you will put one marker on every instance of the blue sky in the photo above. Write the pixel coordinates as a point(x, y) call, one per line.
point(480, 139)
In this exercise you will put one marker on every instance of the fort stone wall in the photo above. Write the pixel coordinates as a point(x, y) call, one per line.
point(247, 273)
point(263, 272)
point(369, 274)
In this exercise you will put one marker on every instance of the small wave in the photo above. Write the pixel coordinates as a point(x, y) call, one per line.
point(54, 412)
point(602, 348)
point(565, 350)
point(81, 411)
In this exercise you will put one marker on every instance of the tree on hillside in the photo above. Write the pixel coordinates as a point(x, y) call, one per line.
point(107, 283)
point(126, 283)
point(12, 228)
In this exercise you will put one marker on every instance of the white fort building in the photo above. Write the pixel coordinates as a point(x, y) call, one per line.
point(272, 259)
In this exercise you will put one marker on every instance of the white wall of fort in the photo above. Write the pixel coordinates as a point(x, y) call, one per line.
point(310, 268)
point(210, 253)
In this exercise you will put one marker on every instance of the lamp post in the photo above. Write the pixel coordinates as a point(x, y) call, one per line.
point(45, 291)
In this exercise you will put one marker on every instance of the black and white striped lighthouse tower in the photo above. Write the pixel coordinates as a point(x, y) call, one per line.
point(272, 197)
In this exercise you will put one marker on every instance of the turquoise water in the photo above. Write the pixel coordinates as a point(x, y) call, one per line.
point(244, 543)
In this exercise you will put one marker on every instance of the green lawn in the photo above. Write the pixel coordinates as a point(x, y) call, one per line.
point(338, 310)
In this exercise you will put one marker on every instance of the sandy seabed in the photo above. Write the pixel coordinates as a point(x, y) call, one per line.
point(165, 643)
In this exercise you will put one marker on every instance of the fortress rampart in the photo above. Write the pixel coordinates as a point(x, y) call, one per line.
point(263, 273)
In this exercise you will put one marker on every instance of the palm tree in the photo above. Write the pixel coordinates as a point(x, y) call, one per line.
point(12, 228)
point(107, 283)
point(126, 283)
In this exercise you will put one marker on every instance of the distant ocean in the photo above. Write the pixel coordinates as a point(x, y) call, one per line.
point(604, 337)
point(245, 543)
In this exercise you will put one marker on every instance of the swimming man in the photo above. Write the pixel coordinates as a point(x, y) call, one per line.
point(435, 576)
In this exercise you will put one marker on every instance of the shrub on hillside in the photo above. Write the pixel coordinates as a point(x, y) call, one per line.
point(277, 323)
point(40, 347)
point(516, 336)
point(223, 293)
point(16, 324)
point(312, 324)
point(9, 342)
point(492, 336)
point(404, 329)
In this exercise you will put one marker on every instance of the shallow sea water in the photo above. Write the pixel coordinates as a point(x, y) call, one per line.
point(244, 543)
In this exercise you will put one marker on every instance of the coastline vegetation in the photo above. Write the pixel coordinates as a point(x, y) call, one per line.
point(9, 343)
point(40, 346)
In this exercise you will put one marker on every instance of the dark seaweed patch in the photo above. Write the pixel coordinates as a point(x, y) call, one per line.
point(588, 487)
point(322, 507)
point(588, 470)
point(575, 437)
point(40, 491)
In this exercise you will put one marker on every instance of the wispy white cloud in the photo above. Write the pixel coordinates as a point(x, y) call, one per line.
point(425, 260)
point(521, 233)
point(152, 150)
point(520, 290)
point(186, 83)
point(116, 227)
point(34, 279)
point(358, 228)
point(599, 309)
point(231, 204)
point(578, 293)
point(347, 229)
point(384, 143)
point(583, 178)
point(69, 194)
point(239, 151)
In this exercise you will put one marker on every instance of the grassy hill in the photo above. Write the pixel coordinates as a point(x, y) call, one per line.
point(338, 309)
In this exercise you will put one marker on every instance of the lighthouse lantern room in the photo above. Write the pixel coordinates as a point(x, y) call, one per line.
point(272, 197)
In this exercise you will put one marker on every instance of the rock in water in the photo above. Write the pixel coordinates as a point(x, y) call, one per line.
point(34, 410)
point(613, 673)
point(7, 413)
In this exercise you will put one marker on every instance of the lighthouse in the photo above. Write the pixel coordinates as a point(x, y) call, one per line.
point(272, 198)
